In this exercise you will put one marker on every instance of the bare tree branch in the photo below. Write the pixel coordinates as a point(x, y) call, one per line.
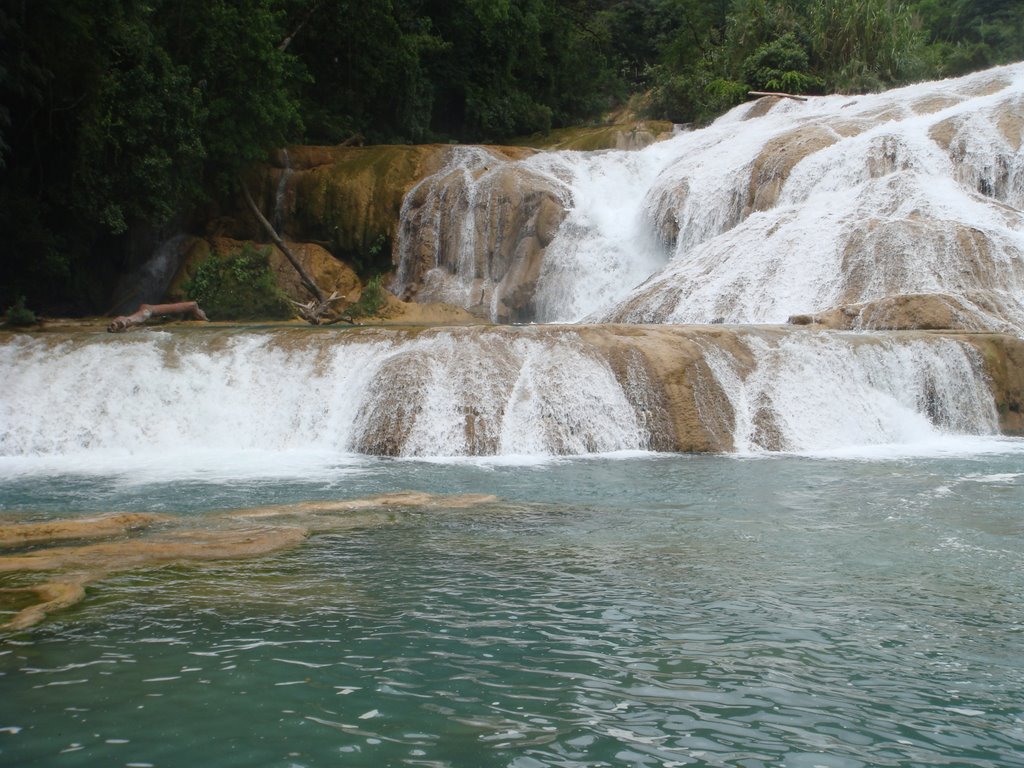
point(304, 276)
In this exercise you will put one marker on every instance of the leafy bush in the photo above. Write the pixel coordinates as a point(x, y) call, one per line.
point(239, 286)
point(781, 65)
point(371, 300)
point(18, 315)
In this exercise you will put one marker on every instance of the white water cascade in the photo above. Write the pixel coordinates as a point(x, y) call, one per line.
point(190, 397)
point(285, 399)
point(828, 392)
point(483, 221)
point(779, 208)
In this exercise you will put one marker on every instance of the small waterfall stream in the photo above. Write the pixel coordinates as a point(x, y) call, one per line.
point(455, 393)
point(832, 391)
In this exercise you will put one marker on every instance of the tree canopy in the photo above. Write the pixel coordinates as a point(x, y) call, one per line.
point(120, 117)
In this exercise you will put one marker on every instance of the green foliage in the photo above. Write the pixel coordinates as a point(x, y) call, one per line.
point(780, 65)
point(239, 286)
point(372, 299)
point(18, 315)
point(866, 44)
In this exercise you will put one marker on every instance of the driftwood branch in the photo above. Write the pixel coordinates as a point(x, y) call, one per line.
point(776, 93)
point(189, 310)
point(304, 276)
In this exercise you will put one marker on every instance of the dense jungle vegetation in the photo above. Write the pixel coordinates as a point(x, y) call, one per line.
point(120, 117)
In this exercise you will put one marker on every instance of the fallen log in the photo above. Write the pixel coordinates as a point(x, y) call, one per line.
point(777, 93)
point(189, 310)
point(304, 277)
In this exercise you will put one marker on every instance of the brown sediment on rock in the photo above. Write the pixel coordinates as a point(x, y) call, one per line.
point(515, 212)
point(777, 159)
point(351, 197)
point(84, 564)
point(398, 312)
point(687, 395)
point(1003, 355)
point(933, 103)
point(904, 312)
point(53, 531)
point(993, 83)
point(762, 107)
point(384, 501)
point(243, 534)
point(170, 547)
point(628, 135)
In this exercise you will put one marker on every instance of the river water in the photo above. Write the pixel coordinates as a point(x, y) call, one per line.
point(634, 609)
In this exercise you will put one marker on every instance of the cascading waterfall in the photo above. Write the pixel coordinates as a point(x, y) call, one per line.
point(841, 201)
point(779, 208)
point(282, 398)
point(820, 392)
point(440, 394)
point(605, 245)
point(482, 220)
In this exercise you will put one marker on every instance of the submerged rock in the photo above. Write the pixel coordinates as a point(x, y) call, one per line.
point(248, 534)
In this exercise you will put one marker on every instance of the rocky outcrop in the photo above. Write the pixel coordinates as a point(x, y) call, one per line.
point(474, 235)
point(777, 159)
point(909, 312)
point(243, 534)
point(347, 199)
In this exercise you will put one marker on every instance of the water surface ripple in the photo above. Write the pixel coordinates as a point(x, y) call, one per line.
point(711, 611)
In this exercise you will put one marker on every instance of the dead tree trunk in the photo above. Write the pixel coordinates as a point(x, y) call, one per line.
point(189, 310)
point(315, 310)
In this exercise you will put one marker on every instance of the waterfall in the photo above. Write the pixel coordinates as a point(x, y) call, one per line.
point(549, 238)
point(278, 214)
point(841, 201)
point(302, 397)
point(838, 205)
point(451, 393)
point(779, 208)
point(820, 392)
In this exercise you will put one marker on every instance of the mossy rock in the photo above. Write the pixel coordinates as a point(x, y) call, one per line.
point(348, 198)
point(628, 136)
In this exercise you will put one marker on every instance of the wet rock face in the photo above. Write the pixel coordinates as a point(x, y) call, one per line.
point(773, 165)
point(346, 198)
point(474, 235)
